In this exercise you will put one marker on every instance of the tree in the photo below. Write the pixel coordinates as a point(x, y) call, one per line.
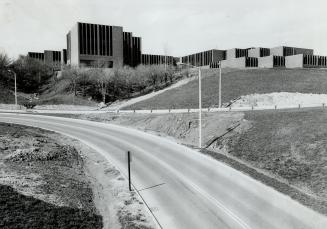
point(31, 74)
point(5, 63)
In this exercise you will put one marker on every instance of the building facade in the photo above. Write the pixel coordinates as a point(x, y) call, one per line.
point(306, 61)
point(236, 53)
point(36, 55)
point(49, 57)
point(150, 59)
point(271, 62)
point(132, 53)
point(204, 58)
point(289, 51)
point(95, 45)
point(258, 52)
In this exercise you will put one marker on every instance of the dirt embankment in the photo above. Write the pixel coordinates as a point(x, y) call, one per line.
point(50, 181)
point(283, 149)
point(43, 183)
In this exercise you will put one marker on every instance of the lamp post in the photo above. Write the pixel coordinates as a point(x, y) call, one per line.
point(200, 103)
point(14, 73)
point(200, 110)
point(219, 84)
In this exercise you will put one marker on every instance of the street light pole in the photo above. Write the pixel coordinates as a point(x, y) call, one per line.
point(200, 110)
point(219, 84)
point(15, 89)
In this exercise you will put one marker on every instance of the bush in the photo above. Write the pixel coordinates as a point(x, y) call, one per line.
point(108, 85)
point(29, 105)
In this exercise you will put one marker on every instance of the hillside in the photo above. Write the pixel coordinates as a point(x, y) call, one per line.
point(8, 97)
point(236, 84)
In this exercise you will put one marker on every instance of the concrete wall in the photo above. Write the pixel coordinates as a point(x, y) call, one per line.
point(289, 51)
point(295, 61)
point(258, 52)
point(236, 53)
point(266, 62)
point(234, 63)
point(277, 51)
point(204, 58)
point(74, 59)
point(271, 62)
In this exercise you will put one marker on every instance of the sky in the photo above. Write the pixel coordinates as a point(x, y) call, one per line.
point(172, 27)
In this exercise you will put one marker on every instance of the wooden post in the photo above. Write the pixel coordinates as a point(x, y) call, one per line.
point(129, 170)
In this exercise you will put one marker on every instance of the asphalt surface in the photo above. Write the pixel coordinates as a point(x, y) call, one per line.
point(183, 188)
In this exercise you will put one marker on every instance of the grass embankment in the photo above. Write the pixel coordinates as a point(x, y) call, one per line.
point(289, 145)
point(238, 83)
point(8, 97)
point(42, 182)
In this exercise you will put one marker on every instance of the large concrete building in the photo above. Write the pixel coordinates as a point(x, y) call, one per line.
point(240, 62)
point(236, 53)
point(204, 58)
point(132, 49)
point(305, 61)
point(36, 55)
point(271, 62)
point(52, 58)
point(258, 52)
point(150, 59)
point(289, 51)
point(95, 45)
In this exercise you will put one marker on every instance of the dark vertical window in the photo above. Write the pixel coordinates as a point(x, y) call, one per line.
point(97, 40)
point(80, 38)
point(92, 39)
point(107, 40)
point(88, 39)
point(110, 41)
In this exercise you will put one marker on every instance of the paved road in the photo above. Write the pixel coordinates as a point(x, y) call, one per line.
point(194, 191)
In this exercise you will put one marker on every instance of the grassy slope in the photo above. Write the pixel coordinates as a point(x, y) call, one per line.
point(289, 144)
point(238, 83)
point(8, 97)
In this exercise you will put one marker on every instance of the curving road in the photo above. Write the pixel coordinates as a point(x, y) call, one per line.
point(184, 188)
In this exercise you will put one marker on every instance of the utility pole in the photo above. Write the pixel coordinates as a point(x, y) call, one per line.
point(200, 110)
point(129, 170)
point(219, 84)
point(15, 88)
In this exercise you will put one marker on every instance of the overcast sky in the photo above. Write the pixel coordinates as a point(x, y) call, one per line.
point(182, 26)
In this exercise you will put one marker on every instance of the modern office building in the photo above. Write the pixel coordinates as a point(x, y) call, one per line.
point(271, 62)
point(132, 49)
point(240, 62)
point(95, 45)
point(150, 59)
point(36, 55)
point(289, 51)
point(204, 58)
point(64, 57)
point(305, 61)
point(236, 53)
point(50, 57)
point(258, 52)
